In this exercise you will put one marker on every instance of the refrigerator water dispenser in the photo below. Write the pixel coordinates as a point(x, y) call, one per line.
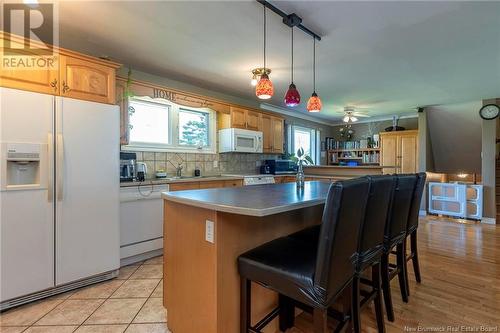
point(23, 164)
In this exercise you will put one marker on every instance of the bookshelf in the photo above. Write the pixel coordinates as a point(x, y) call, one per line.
point(364, 156)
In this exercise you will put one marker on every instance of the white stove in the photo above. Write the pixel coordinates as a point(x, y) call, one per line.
point(258, 180)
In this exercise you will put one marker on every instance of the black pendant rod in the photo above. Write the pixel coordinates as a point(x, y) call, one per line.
point(290, 20)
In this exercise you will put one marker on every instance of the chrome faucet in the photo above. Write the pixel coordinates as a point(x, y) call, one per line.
point(178, 170)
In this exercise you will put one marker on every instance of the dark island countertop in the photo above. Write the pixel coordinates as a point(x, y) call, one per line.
point(257, 200)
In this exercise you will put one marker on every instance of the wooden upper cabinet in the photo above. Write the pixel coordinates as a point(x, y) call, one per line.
point(278, 134)
point(238, 118)
point(267, 135)
point(66, 73)
point(253, 120)
point(43, 80)
point(272, 134)
point(245, 119)
point(83, 79)
point(399, 150)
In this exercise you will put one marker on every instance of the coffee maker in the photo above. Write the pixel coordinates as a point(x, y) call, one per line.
point(127, 167)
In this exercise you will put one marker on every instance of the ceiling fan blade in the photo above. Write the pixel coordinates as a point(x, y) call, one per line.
point(360, 115)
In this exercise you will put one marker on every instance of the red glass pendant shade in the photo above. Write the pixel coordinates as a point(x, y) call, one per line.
point(264, 88)
point(314, 103)
point(292, 96)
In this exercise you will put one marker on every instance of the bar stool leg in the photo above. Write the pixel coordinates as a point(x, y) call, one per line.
point(401, 263)
point(320, 320)
point(379, 310)
point(245, 304)
point(414, 252)
point(386, 286)
point(356, 318)
point(405, 262)
point(287, 313)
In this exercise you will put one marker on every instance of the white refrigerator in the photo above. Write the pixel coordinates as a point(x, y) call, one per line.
point(59, 194)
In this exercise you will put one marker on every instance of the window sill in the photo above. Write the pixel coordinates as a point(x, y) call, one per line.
point(209, 150)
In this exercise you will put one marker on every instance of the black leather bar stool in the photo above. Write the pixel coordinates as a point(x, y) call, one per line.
point(311, 276)
point(370, 249)
point(395, 236)
point(412, 226)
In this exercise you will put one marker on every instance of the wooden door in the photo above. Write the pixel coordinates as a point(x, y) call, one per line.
point(233, 183)
point(253, 120)
point(43, 79)
point(184, 186)
point(407, 153)
point(238, 118)
point(278, 133)
point(389, 153)
point(86, 80)
point(212, 184)
point(267, 133)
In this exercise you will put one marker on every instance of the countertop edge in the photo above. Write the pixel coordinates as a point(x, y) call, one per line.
point(242, 210)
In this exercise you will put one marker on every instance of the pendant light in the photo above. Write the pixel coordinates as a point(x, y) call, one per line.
point(314, 102)
point(264, 88)
point(292, 96)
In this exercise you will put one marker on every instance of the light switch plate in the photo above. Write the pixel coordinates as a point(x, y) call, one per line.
point(209, 231)
point(216, 164)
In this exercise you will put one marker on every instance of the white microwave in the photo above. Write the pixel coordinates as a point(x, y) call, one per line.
point(240, 140)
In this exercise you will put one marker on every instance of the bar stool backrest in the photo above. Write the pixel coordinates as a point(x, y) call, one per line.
point(415, 203)
point(376, 216)
point(396, 227)
point(339, 235)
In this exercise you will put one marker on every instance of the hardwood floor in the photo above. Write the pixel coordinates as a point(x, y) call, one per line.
point(460, 265)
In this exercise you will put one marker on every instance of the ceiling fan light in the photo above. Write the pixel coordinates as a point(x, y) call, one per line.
point(353, 119)
point(292, 96)
point(264, 88)
point(314, 103)
point(346, 119)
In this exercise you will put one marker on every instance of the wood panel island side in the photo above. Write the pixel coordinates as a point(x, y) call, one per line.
point(204, 233)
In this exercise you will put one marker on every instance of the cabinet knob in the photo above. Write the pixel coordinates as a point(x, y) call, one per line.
point(65, 87)
point(53, 84)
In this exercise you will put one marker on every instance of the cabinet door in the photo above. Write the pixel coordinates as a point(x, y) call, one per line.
point(253, 120)
point(233, 183)
point(277, 130)
point(388, 154)
point(184, 186)
point(238, 118)
point(82, 79)
point(267, 133)
point(212, 184)
point(407, 153)
point(43, 80)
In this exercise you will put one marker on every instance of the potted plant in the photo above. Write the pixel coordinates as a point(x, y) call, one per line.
point(301, 158)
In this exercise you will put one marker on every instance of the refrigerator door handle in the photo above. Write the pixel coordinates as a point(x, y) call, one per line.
point(60, 167)
point(50, 167)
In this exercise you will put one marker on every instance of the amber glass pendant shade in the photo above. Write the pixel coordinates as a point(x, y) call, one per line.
point(314, 103)
point(292, 96)
point(264, 88)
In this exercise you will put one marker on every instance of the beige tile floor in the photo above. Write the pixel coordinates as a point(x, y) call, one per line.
point(131, 303)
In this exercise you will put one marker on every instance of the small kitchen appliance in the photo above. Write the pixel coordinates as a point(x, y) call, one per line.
point(142, 171)
point(280, 167)
point(127, 166)
point(240, 141)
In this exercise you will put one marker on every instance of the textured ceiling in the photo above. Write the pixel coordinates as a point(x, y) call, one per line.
point(387, 57)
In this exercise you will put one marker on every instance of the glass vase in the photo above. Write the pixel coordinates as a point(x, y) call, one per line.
point(300, 176)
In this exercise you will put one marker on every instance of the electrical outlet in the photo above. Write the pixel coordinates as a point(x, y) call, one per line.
point(216, 164)
point(209, 231)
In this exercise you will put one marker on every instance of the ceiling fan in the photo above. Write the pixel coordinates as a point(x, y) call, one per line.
point(351, 115)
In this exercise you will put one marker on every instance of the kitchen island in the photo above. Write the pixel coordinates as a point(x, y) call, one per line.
point(204, 233)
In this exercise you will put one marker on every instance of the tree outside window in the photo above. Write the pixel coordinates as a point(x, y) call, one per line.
point(193, 128)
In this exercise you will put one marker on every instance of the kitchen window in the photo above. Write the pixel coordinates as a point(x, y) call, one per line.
point(159, 125)
point(305, 138)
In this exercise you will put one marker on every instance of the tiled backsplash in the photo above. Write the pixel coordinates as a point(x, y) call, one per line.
point(226, 163)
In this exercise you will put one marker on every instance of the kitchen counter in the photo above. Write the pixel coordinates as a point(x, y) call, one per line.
point(258, 200)
point(204, 233)
point(344, 171)
point(180, 180)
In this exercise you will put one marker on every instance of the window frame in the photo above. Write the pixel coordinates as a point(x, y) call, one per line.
point(315, 141)
point(174, 145)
